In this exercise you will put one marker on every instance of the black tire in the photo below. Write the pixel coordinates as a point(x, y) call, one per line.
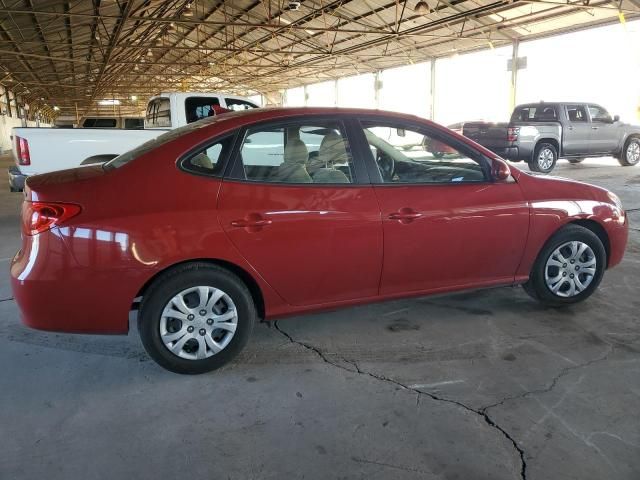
point(535, 163)
point(537, 287)
point(625, 159)
point(575, 161)
point(175, 281)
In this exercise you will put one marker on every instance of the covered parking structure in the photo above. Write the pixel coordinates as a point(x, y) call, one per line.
point(472, 385)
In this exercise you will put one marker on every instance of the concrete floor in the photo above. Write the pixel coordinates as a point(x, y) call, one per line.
point(470, 386)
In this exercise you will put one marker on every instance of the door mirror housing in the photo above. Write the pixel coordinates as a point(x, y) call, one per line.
point(616, 118)
point(500, 170)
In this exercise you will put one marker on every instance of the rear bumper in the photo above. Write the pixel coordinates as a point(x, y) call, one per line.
point(55, 293)
point(16, 178)
point(510, 153)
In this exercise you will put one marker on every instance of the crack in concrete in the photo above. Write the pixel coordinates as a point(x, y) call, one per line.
point(554, 382)
point(356, 369)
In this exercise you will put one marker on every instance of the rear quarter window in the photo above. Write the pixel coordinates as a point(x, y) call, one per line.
point(535, 113)
point(158, 113)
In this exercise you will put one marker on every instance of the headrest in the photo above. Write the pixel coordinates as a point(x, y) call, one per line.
point(295, 151)
point(333, 149)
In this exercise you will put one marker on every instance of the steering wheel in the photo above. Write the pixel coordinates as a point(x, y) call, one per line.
point(386, 165)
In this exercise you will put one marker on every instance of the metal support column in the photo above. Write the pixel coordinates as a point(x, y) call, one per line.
point(514, 74)
point(432, 85)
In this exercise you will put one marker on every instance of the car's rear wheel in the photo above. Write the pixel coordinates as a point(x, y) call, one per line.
point(575, 160)
point(630, 154)
point(544, 158)
point(196, 318)
point(569, 267)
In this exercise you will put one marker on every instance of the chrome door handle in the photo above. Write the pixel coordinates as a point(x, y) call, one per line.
point(405, 215)
point(252, 220)
point(594, 128)
point(570, 127)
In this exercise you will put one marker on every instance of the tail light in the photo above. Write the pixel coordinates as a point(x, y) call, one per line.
point(38, 217)
point(512, 134)
point(22, 147)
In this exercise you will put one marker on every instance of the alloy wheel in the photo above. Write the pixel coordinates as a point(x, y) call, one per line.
point(633, 152)
point(198, 322)
point(545, 159)
point(570, 269)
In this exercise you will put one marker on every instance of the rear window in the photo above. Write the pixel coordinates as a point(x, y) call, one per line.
point(237, 104)
point(160, 140)
point(535, 113)
point(158, 113)
point(134, 123)
point(99, 123)
point(197, 108)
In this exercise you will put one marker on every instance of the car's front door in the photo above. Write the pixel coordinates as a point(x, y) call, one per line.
point(446, 224)
point(577, 131)
point(605, 133)
point(302, 213)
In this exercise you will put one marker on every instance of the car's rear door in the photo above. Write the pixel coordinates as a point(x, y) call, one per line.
point(446, 224)
point(576, 134)
point(303, 213)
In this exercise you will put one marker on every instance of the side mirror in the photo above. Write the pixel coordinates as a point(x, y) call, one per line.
point(500, 170)
point(616, 118)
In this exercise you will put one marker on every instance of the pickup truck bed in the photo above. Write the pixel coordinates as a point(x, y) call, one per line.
point(71, 148)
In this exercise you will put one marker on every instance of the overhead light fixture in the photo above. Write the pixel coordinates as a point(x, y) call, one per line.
point(109, 102)
point(134, 98)
point(56, 108)
point(149, 53)
point(421, 8)
point(187, 12)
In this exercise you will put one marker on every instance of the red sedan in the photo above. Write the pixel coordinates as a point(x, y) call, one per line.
point(263, 213)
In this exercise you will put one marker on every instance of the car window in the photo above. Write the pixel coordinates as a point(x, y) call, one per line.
point(99, 123)
point(158, 113)
point(407, 156)
point(599, 114)
point(197, 108)
point(209, 160)
point(576, 113)
point(133, 123)
point(534, 113)
point(237, 104)
point(297, 153)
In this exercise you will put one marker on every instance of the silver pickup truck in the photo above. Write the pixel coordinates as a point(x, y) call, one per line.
point(540, 133)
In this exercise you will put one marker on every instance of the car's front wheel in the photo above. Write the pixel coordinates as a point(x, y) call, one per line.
point(630, 155)
point(569, 267)
point(196, 318)
point(544, 158)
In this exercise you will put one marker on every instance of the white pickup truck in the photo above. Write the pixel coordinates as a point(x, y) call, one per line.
point(42, 150)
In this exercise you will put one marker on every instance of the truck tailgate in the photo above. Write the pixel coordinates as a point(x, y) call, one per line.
point(489, 135)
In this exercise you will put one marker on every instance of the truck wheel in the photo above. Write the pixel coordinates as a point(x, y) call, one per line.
point(630, 154)
point(575, 160)
point(568, 268)
point(544, 158)
point(196, 318)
